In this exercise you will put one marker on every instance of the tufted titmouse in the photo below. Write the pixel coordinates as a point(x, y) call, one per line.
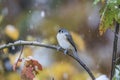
point(66, 42)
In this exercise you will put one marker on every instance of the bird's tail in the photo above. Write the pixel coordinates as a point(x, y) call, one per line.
point(75, 53)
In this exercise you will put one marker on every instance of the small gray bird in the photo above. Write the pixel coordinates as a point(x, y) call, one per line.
point(66, 42)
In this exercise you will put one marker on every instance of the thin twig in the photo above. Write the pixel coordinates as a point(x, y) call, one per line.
point(35, 43)
point(21, 52)
point(114, 50)
point(19, 59)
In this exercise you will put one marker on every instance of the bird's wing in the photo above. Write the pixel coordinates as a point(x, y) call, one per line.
point(69, 38)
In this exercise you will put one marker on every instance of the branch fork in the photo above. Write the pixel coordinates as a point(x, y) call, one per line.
point(58, 48)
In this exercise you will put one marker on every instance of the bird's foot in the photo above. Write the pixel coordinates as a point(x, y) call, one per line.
point(65, 51)
point(58, 48)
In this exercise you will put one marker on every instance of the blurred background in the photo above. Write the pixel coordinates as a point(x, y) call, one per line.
point(39, 20)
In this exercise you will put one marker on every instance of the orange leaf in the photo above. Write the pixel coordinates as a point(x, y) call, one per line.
point(101, 30)
point(11, 32)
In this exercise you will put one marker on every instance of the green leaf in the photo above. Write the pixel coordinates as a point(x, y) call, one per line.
point(109, 14)
point(96, 1)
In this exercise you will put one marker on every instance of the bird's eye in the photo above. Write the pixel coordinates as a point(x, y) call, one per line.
point(62, 31)
point(59, 31)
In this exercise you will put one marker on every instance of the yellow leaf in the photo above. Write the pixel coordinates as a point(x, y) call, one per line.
point(5, 50)
point(12, 76)
point(30, 38)
point(62, 70)
point(101, 30)
point(103, 1)
point(12, 32)
point(78, 41)
point(81, 76)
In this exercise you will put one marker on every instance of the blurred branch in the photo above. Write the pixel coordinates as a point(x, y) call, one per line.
point(117, 61)
point(114, 50)
point(35, 43)
point(18, 60)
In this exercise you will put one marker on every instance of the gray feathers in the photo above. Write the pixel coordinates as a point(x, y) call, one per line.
point(68, 37)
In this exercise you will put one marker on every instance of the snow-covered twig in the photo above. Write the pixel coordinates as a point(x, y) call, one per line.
point(35, 43)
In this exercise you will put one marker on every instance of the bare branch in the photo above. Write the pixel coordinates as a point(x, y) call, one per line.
point(18, 60)
point(114, 55)
point(35, 43)
point(32, 43)
point(83, 65)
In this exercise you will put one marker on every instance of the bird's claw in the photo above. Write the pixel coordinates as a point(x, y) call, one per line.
point(65, 51)
point(58, 48)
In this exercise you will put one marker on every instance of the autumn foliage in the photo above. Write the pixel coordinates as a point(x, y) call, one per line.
point(30, 69)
